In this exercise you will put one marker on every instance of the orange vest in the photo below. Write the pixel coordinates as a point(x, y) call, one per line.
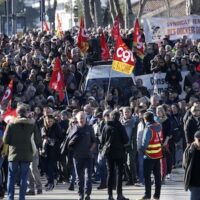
point(154, 149)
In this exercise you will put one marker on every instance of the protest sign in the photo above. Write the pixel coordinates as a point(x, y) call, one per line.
point(157, 28)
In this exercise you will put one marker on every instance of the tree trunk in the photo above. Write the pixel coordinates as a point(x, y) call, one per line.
point(119, 12)
point(141, 8)
point(95, 12)
point(129, 16)
point(106, 15)
point(54, 14)
point(168, 8)
point(98, 14)
point(92, 12)
point(112, 10)
point(86, 11)
point(192, 7)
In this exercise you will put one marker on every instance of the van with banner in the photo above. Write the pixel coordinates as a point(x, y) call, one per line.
point(99, 75)
point(102, 75)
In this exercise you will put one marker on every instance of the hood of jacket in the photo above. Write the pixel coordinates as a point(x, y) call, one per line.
point(128, 122)
point(23, 120)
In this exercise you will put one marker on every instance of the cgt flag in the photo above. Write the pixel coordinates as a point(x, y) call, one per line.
point(82, 42)
point(57, 80)
point(59, 31)
point(123, 60)
point(105, 55)
point(8, 93)
point(137, 40)
point(115, 29)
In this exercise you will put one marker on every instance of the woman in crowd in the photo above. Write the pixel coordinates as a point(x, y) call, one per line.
point(51, 135)
point(166, 130)
point(177, 135)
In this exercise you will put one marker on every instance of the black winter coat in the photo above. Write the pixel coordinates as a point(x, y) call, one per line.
point(188, 162)
point(192, 125)
point(119, 138)
point(54, 137)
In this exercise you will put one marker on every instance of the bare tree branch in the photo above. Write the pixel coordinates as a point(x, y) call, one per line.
point(141, 8)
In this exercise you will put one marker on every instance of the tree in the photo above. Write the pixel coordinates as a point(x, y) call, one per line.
point(119, 12)
point(86, 12)
point(95, 12)
point(192, 7)
point(112, 9)
point(129, 16)
point(168, 8)
point(141, 7)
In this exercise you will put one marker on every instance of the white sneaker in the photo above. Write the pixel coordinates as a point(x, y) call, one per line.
point(168, 176)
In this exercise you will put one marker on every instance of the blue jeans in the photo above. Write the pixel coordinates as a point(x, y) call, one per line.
point(140, 167)
point(83, 170)
point(102, 170)
point(12, 171)
point(194, 193)
point(1, 163)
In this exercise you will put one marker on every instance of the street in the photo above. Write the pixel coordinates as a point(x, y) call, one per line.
point(172, 190)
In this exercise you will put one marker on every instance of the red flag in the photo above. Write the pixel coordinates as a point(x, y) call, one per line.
point(46, 26)
point(123, 60)
point(115, 29)
point(8, 93)
point(105, 55)
point(59, 31)
point(137, 40)
point(198, 68)
point(82, 42)
point(57, 80)
point(9, 114)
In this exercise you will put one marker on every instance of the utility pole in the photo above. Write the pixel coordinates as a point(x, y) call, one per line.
point(13, 10)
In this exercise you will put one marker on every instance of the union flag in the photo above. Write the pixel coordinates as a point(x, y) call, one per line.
point(137, 40)
point(115, 29)
point(57, 80)
point(82, 42)
point(105, 55)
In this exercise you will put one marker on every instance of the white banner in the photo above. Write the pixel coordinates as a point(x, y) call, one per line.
point(156, 82)
point(155, 28)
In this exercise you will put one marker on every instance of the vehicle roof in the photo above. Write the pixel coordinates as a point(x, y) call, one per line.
point(103, 71)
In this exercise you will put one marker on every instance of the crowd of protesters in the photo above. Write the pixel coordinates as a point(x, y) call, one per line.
point(81, 128)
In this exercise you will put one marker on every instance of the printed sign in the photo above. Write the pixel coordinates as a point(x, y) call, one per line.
point(156, 28)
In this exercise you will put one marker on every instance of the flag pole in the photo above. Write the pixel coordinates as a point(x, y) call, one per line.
point(109, 82)
point(133, 78)
point(67, 97)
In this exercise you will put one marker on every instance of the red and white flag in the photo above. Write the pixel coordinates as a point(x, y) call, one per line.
point(57, 80)
point(10, 114)
point(8, 93)
point(82, 42)
point(115, 29)
point(137, 40)
point(105, 55)
point(46, 26)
